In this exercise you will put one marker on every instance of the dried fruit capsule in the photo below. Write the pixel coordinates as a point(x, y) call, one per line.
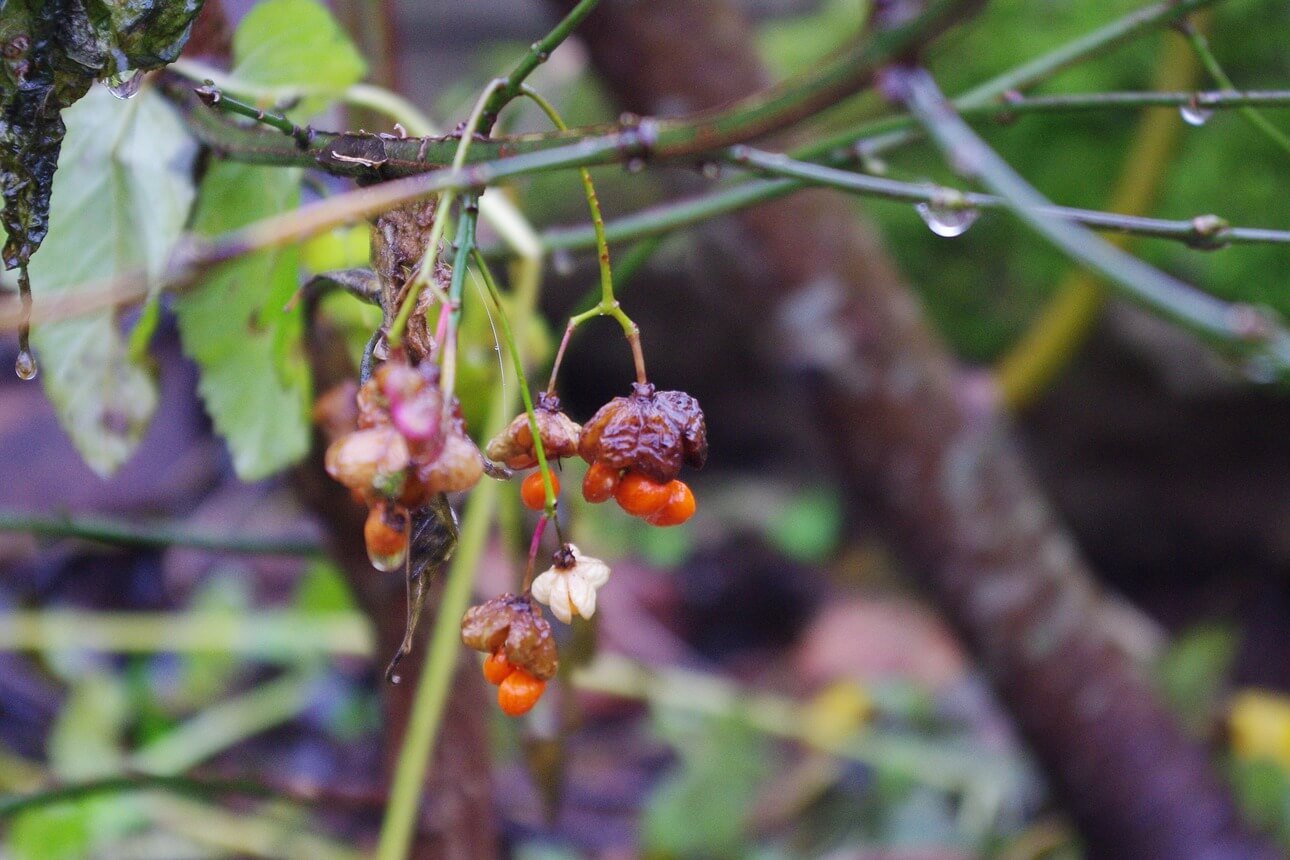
point(514, 445)
point(654, 432)
point(533, 491)
point(497, 668)
point(679, 508)
point(640, 495)
point(600, 482)
point(361, 459)
point(519, 692)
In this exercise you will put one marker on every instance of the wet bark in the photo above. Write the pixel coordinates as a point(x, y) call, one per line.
point(911, 427)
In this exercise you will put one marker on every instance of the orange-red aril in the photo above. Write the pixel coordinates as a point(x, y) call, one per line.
point(533, 490)
point(497, 668)
point(599, 484)
point(519, 692)
point(679, 508)
point(640, 495)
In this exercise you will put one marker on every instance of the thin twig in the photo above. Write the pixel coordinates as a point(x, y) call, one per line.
point(538, 54)
point(1200, 45)
point(1204, 231)
point(1240, 328)
point(151, 536)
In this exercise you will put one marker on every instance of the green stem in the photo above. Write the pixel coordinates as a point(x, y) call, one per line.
point(1200, 45)
point(538, 54)
point(1207, 231)
point(465, 244)
point(426, 271)
point(285, 636)
point(228, 723)
point(608, 303)
point(185, 785)
point(1240, 328)
point(508, 336)
point(213, 96)
point(154, 536)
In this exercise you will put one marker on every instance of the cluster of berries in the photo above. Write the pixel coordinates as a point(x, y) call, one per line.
point(408, 447)
point(636, 446)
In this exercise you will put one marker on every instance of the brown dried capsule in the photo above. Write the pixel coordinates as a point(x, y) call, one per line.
point(652, 432)
point(336, 410)
point(458, 466)
point(514, 445)
point(369, 460)
point(515, 624)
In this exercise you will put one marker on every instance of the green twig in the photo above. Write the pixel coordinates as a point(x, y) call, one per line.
point(508, 336)
point(228, 723)
point(538, 54)
point(1205, 231)
point(425, 273)
point(270, 636)
point(1240, 328)
point(151, 536)
point(185, 785)
point(1200, 45)
point(608, 305)
point(213, 96)
point(465, 244)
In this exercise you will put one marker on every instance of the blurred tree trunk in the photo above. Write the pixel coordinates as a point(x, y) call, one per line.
point(956, 495)
point(457, 818)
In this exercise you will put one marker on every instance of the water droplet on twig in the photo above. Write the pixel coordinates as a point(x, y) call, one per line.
point(947, 221)
point(123, 87)
point(26, 366)
point(1194, 114)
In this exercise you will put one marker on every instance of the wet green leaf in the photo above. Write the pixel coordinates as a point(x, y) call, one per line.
point(120, 201)
point(235, 325)
point(54, 50)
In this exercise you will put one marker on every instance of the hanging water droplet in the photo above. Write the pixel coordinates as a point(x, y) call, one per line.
point(710, 170)
point(947, 221)
point(386, 563)
point(26, 366)
point(1194, 114)
point(123, 87)
point(563, 263)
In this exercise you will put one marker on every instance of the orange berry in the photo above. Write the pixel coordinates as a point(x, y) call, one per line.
point(384, 532)
point(519, 692)
point(599, 484)
point(533, 490)
point(640, 495)
point(679, 508)
point(497, 668)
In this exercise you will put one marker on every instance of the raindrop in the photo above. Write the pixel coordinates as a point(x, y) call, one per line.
point(386, 563)
point(123, 87)
point(563, 263)
point(947, 221)
point(25, 366)
point(635, 165)
point(710, 170)
point(1193, 114)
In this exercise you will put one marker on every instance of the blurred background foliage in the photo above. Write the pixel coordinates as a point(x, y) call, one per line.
point(919, 762)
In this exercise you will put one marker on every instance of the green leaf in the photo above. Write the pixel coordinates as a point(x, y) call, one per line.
point(254, 379)
point(323, 590)
point(295, 43)
point(53, 51)
point(121, 198)
point(701, 809)
point(810, 525)
point(1195, 670)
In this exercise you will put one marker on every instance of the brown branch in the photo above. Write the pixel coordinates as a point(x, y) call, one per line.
point(957, 495)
